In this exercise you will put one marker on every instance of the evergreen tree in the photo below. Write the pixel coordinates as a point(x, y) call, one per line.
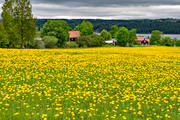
point(19, 23)
point(106, 35)
point(114, 30)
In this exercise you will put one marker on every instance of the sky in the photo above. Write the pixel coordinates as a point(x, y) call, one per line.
point(105, 9)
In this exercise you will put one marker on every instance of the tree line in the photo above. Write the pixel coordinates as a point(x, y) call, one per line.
point(167, 26)
point(124, 37)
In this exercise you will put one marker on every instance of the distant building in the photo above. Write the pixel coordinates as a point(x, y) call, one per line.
point(73, 35)
point(143, 41)
point(113, 41)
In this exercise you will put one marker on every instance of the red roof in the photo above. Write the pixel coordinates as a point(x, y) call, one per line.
point(74, 34)
point(141, 38)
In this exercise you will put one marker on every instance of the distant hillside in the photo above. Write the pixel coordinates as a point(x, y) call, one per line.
point(167, 26)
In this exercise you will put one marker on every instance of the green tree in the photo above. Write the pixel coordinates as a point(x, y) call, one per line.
point(18, 21)
point(114, 30)
point(58, 29)
point(106, 35)
point(132, 36)
point(167, 41)
point(156, 37)
point(85, 28)
point(122, 36)
point(8, 23)
point(3, 37)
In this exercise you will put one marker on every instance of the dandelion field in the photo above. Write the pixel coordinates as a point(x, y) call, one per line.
point(90, 84)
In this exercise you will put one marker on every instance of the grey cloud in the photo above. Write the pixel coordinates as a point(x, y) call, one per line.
point(110, 2)
point(106, 9)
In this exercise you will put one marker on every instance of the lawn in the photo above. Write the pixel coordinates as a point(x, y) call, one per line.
point(139, 83)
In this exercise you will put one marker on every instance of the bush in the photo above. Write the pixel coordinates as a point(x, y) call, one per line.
point(4, 44)
point(177, 42)
point(37, 44)
point(167, 41)
point(71, 45)
point(50, 41)
point(90, 41)
point(136, 42)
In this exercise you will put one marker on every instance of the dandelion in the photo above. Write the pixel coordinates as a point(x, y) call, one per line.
point(15, 114)
point(44, 115)
point(124, 117)
point(139, 113)
point(56, 115)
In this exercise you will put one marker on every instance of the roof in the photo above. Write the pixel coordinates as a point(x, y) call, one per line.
point(141, 38)
point(74, 34)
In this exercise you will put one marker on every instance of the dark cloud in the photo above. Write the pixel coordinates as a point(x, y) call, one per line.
point(109, 2)
point(106, 9)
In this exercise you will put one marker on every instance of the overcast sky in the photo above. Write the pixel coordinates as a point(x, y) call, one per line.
point(105, 9)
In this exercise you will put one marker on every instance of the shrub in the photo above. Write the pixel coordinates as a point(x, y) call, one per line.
point(167, 41)
point(177, 42)
point(135, 42)
point(71, 45)
point(37, 44)
point(90, 41)
point(50, 41)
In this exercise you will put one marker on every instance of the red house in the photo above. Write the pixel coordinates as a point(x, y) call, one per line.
point(73, 35)
point(143, 41)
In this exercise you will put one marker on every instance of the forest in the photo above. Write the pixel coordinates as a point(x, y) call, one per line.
point(167, 26)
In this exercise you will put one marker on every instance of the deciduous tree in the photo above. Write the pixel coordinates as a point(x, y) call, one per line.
point(106, 35)
point(58, 29)
point(3, 37)
point(85, 28)
point(156, 37)
point(113, 31)
point(122, 36)
point(132, 36)
point(18, 21)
